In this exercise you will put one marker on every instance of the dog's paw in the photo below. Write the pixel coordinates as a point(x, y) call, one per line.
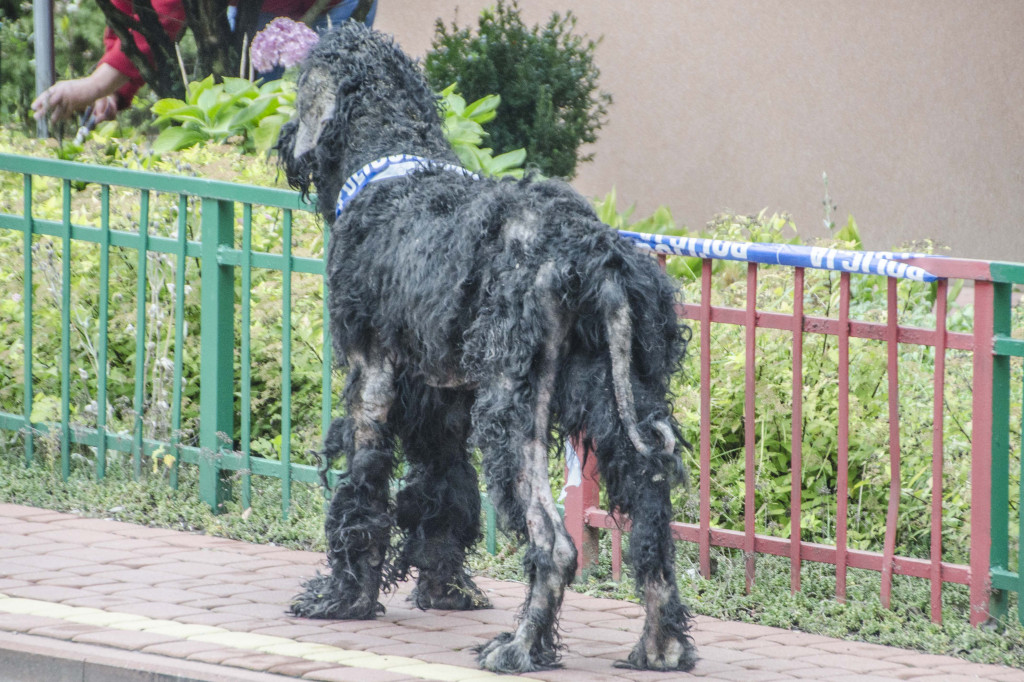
point(457, 594)
point(670, 653)
point(323, 597)
point(506, 654)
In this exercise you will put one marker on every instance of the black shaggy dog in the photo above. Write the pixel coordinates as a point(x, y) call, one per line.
point(477, 313)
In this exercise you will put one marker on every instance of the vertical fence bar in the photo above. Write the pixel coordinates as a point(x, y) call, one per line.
point(286, 368)
point(327, 354)
point(616, 555)
point(216, 373)
point(26, 303)
point(104, 334)
point(1020, 506)
point(981, 451)
point(796, 429)
point(705, 419)
point(138, 406)
point(843, 437)
point(65, 333)
point(578, 499)
point(938, 430)
point(895, 487)
point(246, 351)
point(179, 335)
point(750, 424)
point(1000, 504)
point(491, 527)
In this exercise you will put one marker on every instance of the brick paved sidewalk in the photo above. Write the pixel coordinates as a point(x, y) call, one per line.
point(89, 599)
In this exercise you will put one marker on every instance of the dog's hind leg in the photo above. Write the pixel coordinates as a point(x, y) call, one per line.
point(665, 643)
point(438, 509)
point(358, 522)
point(639, 484)
point(511, 423)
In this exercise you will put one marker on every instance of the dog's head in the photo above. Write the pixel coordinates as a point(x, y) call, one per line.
point(359, 97)
point(315, 104)
point(327, 73)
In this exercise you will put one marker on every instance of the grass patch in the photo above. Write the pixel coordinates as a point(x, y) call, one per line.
point(151, 501)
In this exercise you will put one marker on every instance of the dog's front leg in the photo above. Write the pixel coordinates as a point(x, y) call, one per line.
point(358, 524)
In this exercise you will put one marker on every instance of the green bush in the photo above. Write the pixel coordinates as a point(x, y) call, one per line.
point(218, 111)
point(546, 78)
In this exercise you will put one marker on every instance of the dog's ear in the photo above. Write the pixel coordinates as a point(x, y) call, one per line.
point(317, 102)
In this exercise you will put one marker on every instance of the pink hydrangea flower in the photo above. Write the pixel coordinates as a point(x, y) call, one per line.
point(283, 42)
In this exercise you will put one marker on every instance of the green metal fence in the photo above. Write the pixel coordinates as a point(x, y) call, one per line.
point(202, 234)
point(222, 251)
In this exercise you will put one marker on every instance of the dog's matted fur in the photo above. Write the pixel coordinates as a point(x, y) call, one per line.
point(477, 312)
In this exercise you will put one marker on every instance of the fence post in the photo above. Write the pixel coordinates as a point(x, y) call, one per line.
point(981, 453)
point(577, 500)
point(217, 344)
point(1000, 552)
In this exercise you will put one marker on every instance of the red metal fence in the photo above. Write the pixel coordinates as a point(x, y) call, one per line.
point(988, 571)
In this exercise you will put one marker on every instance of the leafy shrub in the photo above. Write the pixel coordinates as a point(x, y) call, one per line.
point(546, 78)
point(217, 111)
point(464, 128)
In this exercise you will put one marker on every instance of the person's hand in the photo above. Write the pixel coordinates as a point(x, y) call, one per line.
point(105, 109)
point(65, 98)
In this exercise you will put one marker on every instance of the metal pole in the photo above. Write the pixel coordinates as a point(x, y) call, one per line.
point(42, 20)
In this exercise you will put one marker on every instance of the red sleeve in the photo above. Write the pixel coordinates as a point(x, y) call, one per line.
point(172, 18)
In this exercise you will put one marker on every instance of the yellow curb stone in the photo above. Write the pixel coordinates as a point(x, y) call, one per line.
point(143, 624)
point(380, 662)
point(342, 656)
point(34, 607)
point(180, 630)
point(310, 651)
point(239, 640)
point(117, 621)
point(441, 672)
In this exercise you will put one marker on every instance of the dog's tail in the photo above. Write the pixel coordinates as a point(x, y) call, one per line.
point(619, 328)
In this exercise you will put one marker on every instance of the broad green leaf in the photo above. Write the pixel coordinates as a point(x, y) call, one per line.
point(235, 85)
point(196, 88)
point(483, 110)
point(167, 105)
point(265, 135)
point(208, 98)
point(173, 139)
point(250, 114)
point(506, 161)
point(462, 131)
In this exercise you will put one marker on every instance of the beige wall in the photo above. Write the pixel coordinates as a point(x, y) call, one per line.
point(914, 108)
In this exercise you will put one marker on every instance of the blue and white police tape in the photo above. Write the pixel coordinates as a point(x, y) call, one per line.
point(885, 263)
point(394, 166)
